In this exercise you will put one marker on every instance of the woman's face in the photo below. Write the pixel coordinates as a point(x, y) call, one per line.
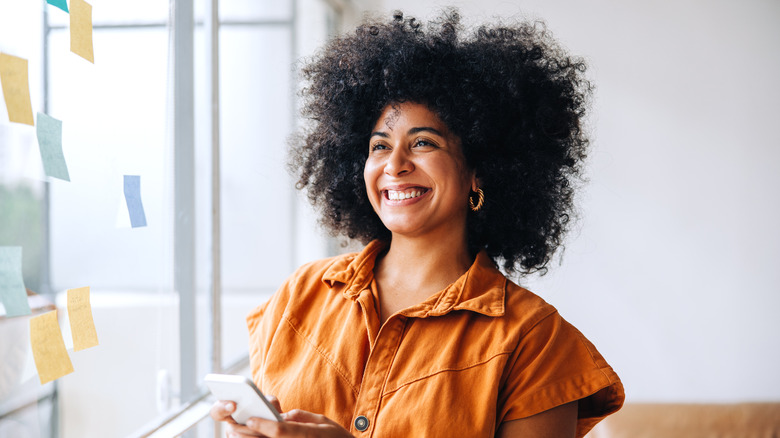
point(416, 175)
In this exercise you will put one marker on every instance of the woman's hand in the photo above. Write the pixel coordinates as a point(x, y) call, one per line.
point(297, 423)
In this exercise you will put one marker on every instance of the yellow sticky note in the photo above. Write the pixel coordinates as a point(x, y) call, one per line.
point(51, 357)
point(16, 88)
point(81, 29)
point(82, 325)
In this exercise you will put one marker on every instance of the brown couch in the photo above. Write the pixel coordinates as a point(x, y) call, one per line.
point(642, 420)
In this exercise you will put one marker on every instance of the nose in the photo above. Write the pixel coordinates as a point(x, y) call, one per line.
point(399, 162)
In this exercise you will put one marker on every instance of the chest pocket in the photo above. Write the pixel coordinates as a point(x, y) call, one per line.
point(306, 370)
point(449, 344)
point(445, 378)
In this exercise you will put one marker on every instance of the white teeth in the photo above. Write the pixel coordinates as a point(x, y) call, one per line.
point(397, 196)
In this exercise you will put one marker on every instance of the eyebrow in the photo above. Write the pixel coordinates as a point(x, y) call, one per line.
point(411, 131)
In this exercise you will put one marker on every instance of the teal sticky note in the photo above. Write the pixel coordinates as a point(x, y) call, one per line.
point(12, 291)
point(49, 132)
point(62, 4)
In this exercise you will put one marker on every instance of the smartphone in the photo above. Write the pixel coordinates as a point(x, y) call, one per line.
point(250, 402)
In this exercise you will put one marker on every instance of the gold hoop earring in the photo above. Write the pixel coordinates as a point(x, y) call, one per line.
point(481, 200)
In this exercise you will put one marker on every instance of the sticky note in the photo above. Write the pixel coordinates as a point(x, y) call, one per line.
point(82, 326)
point(133, 199)
point(48, 347)
point(12, 291)
point(49, 132)
point(59, 3)
point(81, 29)
point(16, 88)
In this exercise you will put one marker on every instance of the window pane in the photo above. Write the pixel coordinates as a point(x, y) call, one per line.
point(257, 198)
point(256, 188)
point(114, 124)
point(114, 117)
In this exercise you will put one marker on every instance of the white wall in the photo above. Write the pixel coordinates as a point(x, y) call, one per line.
point(675, 268)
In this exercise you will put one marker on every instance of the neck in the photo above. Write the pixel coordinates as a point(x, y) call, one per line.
point(423, 266)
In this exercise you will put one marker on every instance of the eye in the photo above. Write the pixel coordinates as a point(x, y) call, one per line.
point(377, 146)
point(422, 142)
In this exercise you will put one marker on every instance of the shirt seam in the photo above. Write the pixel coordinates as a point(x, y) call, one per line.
point(561, 382)
point(523, 334)
point(384, 379)
point(593, 359)
point(316, 348)
point(444, 370)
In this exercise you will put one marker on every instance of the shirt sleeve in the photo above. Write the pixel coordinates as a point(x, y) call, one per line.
point(555, 364)
point(262, 323)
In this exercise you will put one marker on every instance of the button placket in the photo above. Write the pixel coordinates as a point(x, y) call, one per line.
point(377, 369)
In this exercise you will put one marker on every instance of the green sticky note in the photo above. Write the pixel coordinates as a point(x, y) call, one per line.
point(12, 291)
point(49, 132)
point(59, 3)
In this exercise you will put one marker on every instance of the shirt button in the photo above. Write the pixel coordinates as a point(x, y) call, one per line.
point(361, 423)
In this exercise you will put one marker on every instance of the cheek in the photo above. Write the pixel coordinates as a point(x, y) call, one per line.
point(370, 179)
point(367, 178)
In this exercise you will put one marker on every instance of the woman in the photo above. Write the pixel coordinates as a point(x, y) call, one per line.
point(448, 154)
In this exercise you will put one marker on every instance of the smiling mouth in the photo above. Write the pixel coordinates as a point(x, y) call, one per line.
point(400, 195)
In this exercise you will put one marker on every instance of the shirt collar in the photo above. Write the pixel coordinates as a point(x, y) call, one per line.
point(481, 289)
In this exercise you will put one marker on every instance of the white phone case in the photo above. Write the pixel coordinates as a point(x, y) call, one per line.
point(250, 402)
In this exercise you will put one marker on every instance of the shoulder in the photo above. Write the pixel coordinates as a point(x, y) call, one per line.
point(540, 326)
point(303, 292)
point(310, 277)
point(526, 305)
point(523, 310)
point(554, 364)
point(328, 273)
point(321, 279)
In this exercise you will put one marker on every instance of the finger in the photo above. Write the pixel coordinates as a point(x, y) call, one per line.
point(274, 402)
point(241, 431)
point(301, 416)
point(270, 428)
point(294, 428)
point(221, 410)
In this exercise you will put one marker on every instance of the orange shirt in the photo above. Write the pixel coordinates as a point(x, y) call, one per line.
point(480, 352)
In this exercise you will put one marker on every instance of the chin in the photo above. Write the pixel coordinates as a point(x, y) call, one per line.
point(402, 229)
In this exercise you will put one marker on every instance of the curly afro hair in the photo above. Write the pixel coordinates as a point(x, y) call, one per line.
point(512, 95)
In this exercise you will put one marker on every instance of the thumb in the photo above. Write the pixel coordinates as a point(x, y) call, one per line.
point(300, 416)
point(274, 402)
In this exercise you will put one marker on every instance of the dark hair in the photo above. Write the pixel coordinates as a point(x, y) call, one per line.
point(512, 95)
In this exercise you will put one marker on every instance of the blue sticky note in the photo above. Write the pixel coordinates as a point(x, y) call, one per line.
point(12, 291)
point(133, 198)
point(62, 4)
point(49, 132)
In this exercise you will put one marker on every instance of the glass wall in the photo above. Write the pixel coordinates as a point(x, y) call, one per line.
point(118, 119)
